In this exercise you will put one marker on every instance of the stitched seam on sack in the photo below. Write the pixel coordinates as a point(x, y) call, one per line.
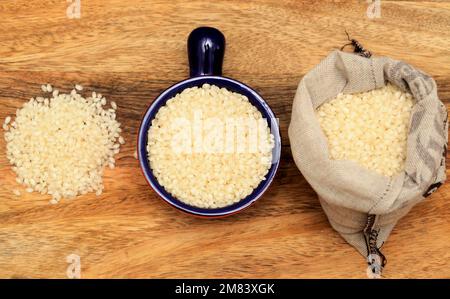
point(386, 191)
point(373, 72)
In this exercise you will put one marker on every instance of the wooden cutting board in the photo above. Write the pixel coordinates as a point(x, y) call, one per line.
point(132, 50)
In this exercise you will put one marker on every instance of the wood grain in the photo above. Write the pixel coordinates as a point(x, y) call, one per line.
point(132, 50)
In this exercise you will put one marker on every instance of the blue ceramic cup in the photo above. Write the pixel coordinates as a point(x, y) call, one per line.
point(206, 47)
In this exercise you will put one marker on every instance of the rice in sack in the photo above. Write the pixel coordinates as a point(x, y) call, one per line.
point(364, 205)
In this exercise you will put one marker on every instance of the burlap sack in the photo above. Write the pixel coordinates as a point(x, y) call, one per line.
point(361, 205)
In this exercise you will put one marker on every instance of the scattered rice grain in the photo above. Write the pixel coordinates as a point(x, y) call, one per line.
point(60, 146)
point(7, 120)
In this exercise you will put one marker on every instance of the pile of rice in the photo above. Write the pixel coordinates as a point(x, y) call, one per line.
point(370, 128)
point(221, 169)
point(60, 145)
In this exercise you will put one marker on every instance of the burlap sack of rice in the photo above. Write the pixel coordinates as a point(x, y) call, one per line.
point(362, 205)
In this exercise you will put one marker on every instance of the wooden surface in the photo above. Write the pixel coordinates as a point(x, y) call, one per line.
point(132, 50)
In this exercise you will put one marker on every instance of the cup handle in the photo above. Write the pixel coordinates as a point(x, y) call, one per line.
point(206, 47)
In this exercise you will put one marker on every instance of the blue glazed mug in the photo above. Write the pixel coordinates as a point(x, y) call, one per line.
point(206, 47)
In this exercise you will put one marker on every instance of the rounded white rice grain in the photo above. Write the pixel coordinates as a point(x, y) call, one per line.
point(369, 128)
point(56, 128)
point(203, 179)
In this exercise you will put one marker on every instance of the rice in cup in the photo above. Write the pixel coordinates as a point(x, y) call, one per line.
point(209, 147)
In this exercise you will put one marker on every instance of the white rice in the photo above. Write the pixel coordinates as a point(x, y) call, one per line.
point(60, 146)
point(209, 178)
point(370, 128)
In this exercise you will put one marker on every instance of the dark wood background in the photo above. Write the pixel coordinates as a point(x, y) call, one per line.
point(132, 50)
